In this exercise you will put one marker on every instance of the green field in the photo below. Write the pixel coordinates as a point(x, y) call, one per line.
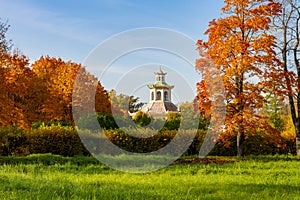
point(56, 177)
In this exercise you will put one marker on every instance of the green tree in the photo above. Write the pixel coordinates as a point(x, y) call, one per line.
point(125, 102)
point(134, 104)
point(192, 117)
point(275, 108)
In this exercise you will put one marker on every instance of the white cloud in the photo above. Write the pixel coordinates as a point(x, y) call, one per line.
point(49, 21)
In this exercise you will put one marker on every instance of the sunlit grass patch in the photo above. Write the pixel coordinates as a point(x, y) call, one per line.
point(57, 177)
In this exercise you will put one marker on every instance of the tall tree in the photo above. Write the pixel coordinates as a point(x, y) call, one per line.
point(57, 80)
point(16, 85)
point(239, 48)
point(286, 76)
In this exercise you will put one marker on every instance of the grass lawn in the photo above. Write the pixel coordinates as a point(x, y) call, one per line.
point(55, 177)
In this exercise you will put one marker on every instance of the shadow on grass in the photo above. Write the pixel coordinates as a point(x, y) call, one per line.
point(48, 159)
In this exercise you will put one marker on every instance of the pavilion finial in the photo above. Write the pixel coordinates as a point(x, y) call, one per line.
point(160, 70)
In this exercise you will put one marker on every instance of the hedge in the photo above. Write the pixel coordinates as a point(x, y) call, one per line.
point(55, 139)
point(65, 141)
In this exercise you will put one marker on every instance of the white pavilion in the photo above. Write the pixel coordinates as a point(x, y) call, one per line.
point(160, 102)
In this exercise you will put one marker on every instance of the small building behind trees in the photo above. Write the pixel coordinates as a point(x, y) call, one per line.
point(160, 102)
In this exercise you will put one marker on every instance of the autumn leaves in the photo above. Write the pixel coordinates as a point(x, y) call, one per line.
point(43, 91)
point(240, 48)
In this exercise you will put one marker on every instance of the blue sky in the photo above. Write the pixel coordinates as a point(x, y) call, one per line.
point(72, 29)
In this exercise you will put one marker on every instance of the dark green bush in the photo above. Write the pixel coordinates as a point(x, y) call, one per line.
point(196, 144)
point(140, 145)
point(56, 140)
point(106, 121)
point(12, 141)
point(65, 141)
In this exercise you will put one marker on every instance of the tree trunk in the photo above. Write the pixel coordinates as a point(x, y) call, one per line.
point(240, 141)
point(298, 141)
point(298, 146)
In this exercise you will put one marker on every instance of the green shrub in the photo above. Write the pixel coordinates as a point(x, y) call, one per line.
point(173, 121)
point(106, 121)
point(12, 141)
point(88, 122)
point(65, 141)
point(56, 140)
point(36, 125)
point(100, 121)
point(141, 118)
point(138, 144)
point(196, 144)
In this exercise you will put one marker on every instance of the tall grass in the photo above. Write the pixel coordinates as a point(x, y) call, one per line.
point(56, 177)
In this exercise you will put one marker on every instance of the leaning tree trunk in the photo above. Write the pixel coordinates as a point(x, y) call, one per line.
point(240, 140)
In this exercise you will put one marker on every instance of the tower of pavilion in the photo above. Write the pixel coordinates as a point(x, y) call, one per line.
point(160, 102)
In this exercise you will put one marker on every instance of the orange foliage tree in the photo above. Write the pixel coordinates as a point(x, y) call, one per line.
point(89, 96)
point(240, 49)
point(57, 79)
point(44, 91)
point(17, 85)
